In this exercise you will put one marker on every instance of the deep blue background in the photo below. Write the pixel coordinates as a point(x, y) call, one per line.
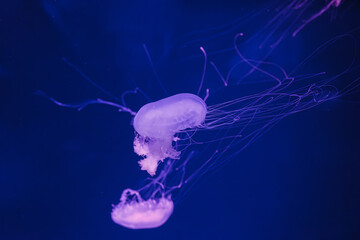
point(60, 170)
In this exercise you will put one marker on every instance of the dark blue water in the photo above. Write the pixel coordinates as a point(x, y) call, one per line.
point(60, 169)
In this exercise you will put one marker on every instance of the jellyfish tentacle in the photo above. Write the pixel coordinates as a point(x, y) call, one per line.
point(82, 105)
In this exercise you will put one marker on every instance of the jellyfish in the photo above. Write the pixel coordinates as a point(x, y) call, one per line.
point(140, 214)
point(167, 130)
point(156, 124)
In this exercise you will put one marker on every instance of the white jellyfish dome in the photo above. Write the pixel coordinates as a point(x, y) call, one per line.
point(136, 213)
point(157, 122)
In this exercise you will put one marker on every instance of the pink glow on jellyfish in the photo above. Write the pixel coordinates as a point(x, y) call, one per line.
point(156, 124)
point(137, 213)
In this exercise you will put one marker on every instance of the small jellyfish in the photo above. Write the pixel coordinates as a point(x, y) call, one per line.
point(156, 124)
point(135, 213)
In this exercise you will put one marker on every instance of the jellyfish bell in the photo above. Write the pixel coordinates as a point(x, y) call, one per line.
point(136, 213)
point(169, 115)
point(156, 124)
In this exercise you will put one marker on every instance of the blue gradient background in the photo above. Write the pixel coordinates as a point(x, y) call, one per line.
point(60, 170)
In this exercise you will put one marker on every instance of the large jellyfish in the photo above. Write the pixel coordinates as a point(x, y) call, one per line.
point(156, 124)
point(167, 129)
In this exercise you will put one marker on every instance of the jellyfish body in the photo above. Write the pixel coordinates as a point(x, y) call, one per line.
point(156, 124)
point(136, 213)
